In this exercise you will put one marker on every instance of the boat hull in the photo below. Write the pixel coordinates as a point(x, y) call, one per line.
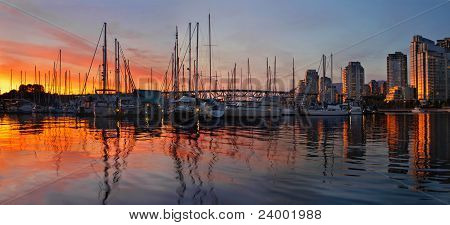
point(250, 112)
point(326, 113)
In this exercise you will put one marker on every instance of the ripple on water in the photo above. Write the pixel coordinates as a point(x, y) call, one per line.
point(380, 159)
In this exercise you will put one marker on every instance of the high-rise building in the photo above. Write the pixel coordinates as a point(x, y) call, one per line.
point(396, 70)
point(444, 43)
point(398, 93)
point(325, 94)
point(366, 90)
point(429, 70)
point(353, 81)
point(382, 85)
point(373, 86)
point(312, 82)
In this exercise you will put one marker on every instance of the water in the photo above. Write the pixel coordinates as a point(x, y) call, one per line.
point(377, 159)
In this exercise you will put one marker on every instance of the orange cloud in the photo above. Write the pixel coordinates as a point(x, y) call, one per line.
point(21, 54)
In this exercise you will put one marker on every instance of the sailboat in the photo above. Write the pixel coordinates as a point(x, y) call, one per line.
point(417, 110)
point(106, 101)
point(290, 108)
point(269, 106)
point(210, 108)
point(323, 109)
point(330, 110)
point(21, 106)
point(185, 109)
point(105, 105)
point(355, 110)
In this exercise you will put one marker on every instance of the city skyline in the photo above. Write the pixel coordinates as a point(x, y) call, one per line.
point(149, 29)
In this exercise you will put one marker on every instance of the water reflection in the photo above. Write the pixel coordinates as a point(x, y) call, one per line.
point(377, 159)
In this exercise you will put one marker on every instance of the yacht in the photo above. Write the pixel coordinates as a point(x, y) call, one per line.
point(185, 108)
point(417, 110)
point(25, 106)
point(267, 107)
point(106, 105)
point(355, 110)
point(129, 105)
point(210, 108)
point(86, 106)
point(39, 109)
point(330, 110)
point(150, 102)
point(19, 106)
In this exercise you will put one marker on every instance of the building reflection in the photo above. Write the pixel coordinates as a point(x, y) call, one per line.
point(397, 129)
point(196, 165)
point(322, 136)
point(430, 147)
point(353, 138)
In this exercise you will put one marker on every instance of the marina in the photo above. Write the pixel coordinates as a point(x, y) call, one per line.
point(156, 103)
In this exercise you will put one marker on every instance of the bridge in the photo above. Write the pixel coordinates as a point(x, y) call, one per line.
point(229, 94)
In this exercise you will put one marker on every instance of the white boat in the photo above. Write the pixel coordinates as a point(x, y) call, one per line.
point(271, 106)
point(106, 105)
point(417, 110)
point(252, 109)
point(129, 105)
point(19, 106)
point(185, 108)
point(39, 109)
point(69, 109)
point(330, 110)
point(25, 106)
point(85, 106)
point(211, 109)
point(355, 110)
point(55, 110)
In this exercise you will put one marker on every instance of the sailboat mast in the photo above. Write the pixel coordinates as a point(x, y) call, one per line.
point(267, 74)
point(331, 75)
point(70, 83)
point(173, 71)
point(196, 65)
point(65, 82)
point(116, 59)
point(209, 45)
point(248, 73)
point(234, 82)
point(118, 67)
point(53, 81)
point(60, 71)
point(105, 68)
point(293, 78)
point(275, 74)
point(11, 81)
point(176, 80)
point(241, 79)
point(324, 69)
point(190, 56)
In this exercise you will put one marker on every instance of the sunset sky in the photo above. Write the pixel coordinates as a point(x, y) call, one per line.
point(31, 32)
